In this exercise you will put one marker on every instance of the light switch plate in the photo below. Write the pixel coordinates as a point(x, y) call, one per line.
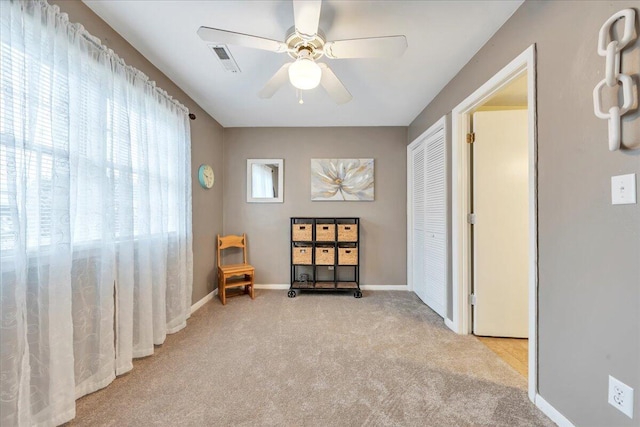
point(623, 189)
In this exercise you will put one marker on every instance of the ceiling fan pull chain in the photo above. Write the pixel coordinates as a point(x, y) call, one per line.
point(299, 94)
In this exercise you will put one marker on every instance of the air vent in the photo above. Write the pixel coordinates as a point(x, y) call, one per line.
point(222, 53)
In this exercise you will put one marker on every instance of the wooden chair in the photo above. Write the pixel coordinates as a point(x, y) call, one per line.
point(234, 275)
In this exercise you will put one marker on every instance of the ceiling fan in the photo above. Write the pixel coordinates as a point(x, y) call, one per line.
point(306, 44)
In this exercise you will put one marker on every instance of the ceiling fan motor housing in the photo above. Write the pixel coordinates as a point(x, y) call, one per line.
point(297, 44)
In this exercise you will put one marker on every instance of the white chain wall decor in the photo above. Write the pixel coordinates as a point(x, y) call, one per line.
point(613, 76)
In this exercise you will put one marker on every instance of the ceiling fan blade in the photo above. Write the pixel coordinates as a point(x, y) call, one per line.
point(306, 14)
point(334, 87)
point(214, 35)
point(372, 47)
point(279, 79)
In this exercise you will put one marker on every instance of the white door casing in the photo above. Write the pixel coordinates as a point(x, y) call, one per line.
point(460, 182)
point(501, 229)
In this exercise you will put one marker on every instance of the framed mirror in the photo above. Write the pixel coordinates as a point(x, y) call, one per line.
point(265, 180)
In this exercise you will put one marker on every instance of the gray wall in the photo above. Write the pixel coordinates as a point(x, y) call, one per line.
point(589, 274)
point(383, 221)
point(206, 147)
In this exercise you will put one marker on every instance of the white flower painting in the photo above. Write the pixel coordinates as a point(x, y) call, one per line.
point(342, 179)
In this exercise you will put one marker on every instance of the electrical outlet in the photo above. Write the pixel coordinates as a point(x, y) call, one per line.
point(621, 396)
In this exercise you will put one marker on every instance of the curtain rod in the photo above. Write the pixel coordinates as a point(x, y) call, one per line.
point(97, 43)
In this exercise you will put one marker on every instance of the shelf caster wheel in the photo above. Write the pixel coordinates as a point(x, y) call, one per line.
point(291, 294)
point(357, 294)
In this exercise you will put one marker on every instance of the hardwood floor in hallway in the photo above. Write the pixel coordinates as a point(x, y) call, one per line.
point(514, 351)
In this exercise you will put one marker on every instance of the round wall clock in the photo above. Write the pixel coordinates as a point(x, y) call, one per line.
point(205, 176)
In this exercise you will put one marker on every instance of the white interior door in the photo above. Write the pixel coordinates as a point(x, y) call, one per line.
point(429, 221)
point(418, 233)
point(500, 233)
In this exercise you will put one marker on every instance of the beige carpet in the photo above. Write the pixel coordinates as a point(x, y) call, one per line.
point(316, 360)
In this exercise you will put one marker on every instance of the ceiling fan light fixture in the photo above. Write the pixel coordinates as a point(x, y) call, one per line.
point(305, 74)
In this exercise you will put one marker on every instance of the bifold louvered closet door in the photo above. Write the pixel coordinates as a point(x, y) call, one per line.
point(428, 220)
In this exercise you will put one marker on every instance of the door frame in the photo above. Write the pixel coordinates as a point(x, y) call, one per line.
point(433, 129)
point(460, 185)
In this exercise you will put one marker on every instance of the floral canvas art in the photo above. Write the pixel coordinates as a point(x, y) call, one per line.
point(342, 179)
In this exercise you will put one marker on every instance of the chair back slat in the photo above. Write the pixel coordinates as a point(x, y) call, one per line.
point(232, 241)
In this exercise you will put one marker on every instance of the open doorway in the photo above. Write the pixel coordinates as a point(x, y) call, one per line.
point(465, 280)
point(499, 232)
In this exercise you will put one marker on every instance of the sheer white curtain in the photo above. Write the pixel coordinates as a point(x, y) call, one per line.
point(95, 215)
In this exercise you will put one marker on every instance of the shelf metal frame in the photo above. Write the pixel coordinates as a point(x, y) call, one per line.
point(335, 283)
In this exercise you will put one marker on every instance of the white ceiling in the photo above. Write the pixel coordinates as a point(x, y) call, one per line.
point(442, 37)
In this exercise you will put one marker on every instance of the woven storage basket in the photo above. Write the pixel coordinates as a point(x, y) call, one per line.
point(302, 255)
point(348, 256)
point(325, 256)
point(347, 232)
point(325, 232)
point(301, 232)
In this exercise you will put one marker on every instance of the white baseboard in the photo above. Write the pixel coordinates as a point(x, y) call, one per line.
point(272, 287)
point(450, 325)
point(552, 412)
point(204, 300)
point(384, 287)
point(210, 295)
point(363, 287)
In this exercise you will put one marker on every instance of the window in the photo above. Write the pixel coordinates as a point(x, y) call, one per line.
point(117, 166)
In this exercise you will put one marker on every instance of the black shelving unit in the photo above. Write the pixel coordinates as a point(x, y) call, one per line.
point(325, 255)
